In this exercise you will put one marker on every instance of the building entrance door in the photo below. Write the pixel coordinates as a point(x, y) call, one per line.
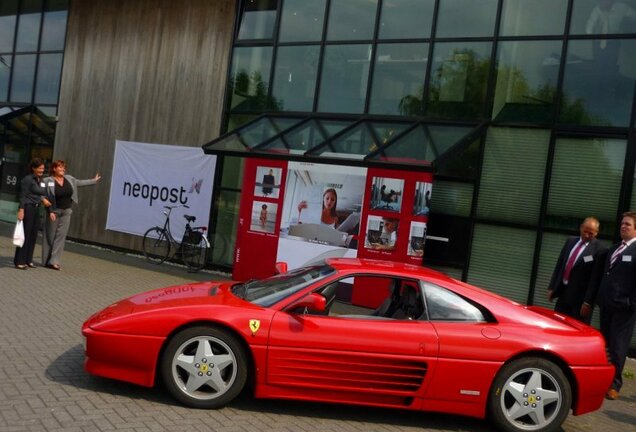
point(25, 132)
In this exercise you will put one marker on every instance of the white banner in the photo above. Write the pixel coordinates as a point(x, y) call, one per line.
point(147, 177)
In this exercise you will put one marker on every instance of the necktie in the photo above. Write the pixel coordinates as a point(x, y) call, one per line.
point(616, 254)
point(571, 261)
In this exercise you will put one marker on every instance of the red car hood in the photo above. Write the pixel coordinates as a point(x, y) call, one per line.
point(179, 295)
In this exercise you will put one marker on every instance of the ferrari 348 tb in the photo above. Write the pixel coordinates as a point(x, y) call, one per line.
point(357, 332)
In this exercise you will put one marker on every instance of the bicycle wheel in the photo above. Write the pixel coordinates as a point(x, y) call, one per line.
point(156, 245)
point(194, 251)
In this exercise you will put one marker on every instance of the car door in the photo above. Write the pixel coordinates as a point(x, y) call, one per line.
point(470, 351)
point(355, 356)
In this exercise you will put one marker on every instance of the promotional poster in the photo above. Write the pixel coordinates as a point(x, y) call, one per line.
point(301, 213)
point(321, 213)
point(396, 215)
point(147, 177)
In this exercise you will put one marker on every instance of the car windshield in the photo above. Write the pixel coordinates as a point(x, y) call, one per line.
point(267, 292)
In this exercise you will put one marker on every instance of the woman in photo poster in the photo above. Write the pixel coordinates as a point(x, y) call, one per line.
point(322, 208)
point(263, 217)
point(329, 215)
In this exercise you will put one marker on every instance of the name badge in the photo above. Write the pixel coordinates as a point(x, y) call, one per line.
point(51, 184)
point(42, 184)
point(627, 258)
point(588, 258)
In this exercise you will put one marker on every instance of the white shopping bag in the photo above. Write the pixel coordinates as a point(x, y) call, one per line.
point(18, 234)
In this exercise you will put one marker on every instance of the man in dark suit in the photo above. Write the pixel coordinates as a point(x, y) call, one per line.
point(614, 290)
point(573, 270)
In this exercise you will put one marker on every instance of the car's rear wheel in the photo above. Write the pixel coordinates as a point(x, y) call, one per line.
point(530, 394)
point(204, 367)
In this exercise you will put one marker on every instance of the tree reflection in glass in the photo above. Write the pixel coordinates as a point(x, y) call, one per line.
point(598, 88)
point(398, 77)
point(249, 81)
point(459, 80)
point(527, 73)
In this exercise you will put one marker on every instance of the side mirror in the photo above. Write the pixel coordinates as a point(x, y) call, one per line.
point(281, 267)
point(313, 302)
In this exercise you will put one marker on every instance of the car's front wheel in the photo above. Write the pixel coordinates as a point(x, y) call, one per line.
point(530, 394)
point(204, 367)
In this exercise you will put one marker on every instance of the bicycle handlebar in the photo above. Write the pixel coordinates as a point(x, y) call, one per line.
point(174, 207)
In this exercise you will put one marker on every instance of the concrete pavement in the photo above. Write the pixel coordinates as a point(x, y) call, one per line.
point(44, 387)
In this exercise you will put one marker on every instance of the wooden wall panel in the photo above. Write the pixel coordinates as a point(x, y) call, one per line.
point(137, 70)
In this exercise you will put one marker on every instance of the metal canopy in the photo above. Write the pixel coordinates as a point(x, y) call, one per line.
point(366, 141)
point(20, 121)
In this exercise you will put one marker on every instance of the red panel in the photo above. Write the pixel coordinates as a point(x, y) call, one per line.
point(370, 291)
point(405, 215)
point(255, 252)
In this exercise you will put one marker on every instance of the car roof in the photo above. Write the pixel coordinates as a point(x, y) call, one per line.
point(364, 264)
point(412, 270)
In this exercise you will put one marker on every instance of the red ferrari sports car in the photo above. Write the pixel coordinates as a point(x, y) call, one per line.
point(357, 332)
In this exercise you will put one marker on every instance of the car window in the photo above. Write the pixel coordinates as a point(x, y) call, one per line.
point(445, 305)
point(266, 292)
point(374, 297)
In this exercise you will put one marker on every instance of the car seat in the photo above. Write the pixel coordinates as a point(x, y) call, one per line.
point(410, 304)
point(329, 293)
point(390, 304)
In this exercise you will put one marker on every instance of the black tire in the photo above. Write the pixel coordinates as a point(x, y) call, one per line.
point(194, 256)
point(531, 395)
point(156, 245)
point(185, 359)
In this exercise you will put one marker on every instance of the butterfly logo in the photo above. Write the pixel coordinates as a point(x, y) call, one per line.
point(196, 186)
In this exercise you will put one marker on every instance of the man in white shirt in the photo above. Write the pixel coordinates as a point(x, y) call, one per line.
point(614, 289)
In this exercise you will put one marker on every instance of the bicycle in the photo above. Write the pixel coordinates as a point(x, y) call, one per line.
point(193, 248)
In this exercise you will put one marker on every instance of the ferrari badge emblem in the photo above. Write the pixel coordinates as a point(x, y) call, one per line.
point(254, 325)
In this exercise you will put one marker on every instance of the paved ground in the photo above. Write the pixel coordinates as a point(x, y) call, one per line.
point(43, 385)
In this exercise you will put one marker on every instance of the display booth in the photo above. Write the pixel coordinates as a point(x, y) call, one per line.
point(317, 187)
point(302, 213)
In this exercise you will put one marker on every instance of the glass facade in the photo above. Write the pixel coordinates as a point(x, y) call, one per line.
point(32, 37)
point(598, 87)
point(345, 75)
point(294, 83)
point(551, 82)
point(527, 76)
point(398, 76)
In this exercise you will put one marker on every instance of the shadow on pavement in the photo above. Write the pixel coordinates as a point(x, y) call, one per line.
point(135, 260)
point(622, 417)
point(393, 417)
point(68, 369)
